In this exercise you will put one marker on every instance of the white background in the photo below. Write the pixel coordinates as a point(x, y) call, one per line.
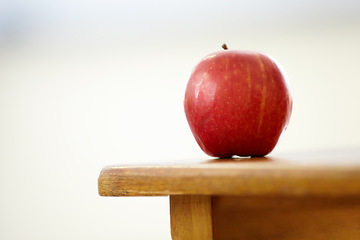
point(86, 84)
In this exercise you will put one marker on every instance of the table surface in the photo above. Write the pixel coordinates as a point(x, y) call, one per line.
point(329, 173)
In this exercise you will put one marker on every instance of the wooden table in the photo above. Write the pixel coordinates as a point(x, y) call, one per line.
point(298, 196)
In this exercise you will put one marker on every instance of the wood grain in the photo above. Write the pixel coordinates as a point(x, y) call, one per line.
point(294, 197)
point(276, 176)
point(190, 217)
point(282, 218)
point(285, 218)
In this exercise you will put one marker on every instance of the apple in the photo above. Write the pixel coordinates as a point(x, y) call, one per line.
point(237, 103)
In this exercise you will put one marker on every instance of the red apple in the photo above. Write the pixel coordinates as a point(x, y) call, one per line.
point(237, 103)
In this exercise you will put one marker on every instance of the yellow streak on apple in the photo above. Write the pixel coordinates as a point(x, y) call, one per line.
point(248, 77)
point(262, 67)
point(262, 107)
point(263, 94)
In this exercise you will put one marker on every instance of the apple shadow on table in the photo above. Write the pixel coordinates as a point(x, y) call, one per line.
point(237, 159)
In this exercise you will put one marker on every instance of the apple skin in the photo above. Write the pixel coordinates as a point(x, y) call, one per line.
point(237, 103)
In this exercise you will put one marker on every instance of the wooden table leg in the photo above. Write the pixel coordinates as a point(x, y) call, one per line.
point(190, 217)
point(283, 218)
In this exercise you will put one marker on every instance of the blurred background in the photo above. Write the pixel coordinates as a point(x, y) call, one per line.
point(87, 84)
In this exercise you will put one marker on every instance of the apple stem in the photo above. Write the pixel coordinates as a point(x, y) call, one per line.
point(224, 47)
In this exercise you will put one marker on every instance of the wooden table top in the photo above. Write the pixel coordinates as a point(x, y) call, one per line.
point(331, 173)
